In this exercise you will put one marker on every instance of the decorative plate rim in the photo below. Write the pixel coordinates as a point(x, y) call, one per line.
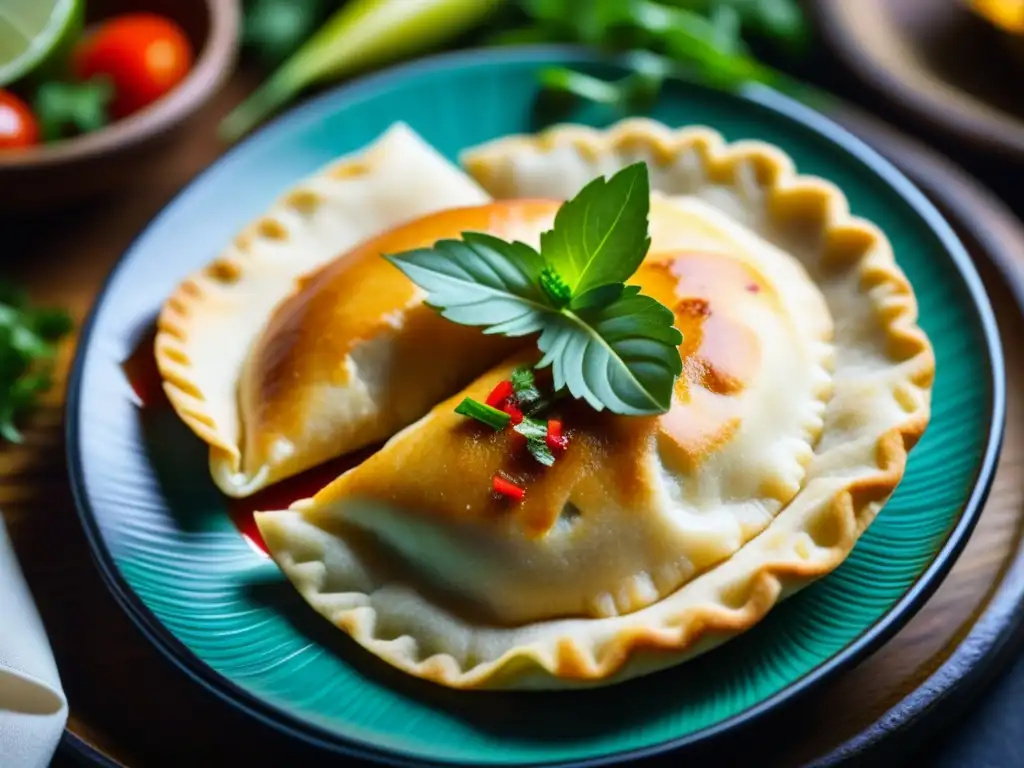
point(874, 637)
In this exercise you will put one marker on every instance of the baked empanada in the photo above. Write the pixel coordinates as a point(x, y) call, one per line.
point(208, 327)
point(806, 381)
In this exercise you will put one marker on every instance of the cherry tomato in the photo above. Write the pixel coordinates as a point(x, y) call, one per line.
point(143, 54)
point(18, 126)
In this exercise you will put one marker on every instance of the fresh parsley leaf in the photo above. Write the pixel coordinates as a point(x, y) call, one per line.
point(528, 396)
point(536, 433)
point(480, 280)
point(483, 413)
point(624, 357)
point(522, 379)
point(600, 236)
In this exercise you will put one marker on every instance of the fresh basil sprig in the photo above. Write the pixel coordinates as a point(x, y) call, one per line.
point(606, 343)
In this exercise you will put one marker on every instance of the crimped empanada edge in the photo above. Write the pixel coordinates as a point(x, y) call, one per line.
point(228, 273)
point(698, 627)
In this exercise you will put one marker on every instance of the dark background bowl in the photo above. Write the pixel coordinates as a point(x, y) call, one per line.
point(70, 171)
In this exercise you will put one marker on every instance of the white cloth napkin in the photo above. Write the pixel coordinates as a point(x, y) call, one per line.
point(33, 709)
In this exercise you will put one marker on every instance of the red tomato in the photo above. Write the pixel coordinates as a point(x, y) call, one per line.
point(18, 126)
point(144, 55)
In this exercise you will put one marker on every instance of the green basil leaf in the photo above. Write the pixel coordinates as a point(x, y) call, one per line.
point(600, 236)
point(480, 281)
point(598, 297)
point(624, 357)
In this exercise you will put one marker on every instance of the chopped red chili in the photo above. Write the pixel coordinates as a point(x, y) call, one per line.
point(514, 413)
point(555, 439)
point(507, 488)
point(502, 391)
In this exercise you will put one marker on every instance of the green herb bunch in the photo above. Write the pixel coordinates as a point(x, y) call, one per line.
point(705, 40)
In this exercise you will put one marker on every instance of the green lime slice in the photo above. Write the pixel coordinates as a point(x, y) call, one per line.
point(36, 34)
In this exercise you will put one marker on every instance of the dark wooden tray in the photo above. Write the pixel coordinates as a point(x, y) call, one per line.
point(130, 707)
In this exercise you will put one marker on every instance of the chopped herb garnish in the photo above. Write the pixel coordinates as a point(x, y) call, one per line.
point(522, 379)
point(528, 397)
point(483, 413)
point(507, 488)
point(502, 391)
point(536, 433)
point(556, 440)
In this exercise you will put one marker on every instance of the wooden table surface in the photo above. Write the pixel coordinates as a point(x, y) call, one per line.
point(64, 259)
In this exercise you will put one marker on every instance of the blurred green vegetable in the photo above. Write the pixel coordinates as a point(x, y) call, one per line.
point(28, 337)
point(782, 21)
point(663, 39)
point(360, 35)
point(66, 109)
point(274, 29)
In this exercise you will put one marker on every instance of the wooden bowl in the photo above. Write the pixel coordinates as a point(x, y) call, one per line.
point(51, 176)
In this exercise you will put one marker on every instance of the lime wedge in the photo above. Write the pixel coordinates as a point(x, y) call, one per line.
point(36, 34)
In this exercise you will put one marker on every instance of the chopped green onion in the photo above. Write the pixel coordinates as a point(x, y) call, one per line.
point(483, 413)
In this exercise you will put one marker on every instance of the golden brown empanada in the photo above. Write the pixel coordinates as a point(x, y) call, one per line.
point(208, 326)
point(806, 382)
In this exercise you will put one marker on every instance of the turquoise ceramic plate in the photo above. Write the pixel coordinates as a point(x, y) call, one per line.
point(167, 544)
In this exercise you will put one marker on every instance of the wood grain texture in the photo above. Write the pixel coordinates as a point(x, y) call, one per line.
point(129, 702)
